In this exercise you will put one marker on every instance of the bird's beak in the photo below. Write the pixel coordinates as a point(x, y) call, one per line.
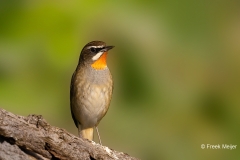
point(107, 48)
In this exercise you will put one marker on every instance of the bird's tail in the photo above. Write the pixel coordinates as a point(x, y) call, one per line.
point(86, 133)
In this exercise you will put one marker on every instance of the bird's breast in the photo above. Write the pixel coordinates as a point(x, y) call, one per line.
point(92, 96)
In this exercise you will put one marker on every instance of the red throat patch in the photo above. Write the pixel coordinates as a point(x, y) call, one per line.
point(101, 63)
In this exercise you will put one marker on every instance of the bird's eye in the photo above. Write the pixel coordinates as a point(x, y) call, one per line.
point(94, 50)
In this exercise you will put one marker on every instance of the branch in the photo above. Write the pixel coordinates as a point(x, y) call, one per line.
point(33, 137)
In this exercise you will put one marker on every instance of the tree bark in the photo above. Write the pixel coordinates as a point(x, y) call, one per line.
point(23, 138)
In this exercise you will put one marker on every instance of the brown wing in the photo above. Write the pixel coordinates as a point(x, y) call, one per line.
point(71, 95)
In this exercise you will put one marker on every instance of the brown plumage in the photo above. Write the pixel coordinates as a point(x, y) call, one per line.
point(91, 88)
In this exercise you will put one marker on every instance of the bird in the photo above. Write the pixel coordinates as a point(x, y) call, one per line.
point(91, 89)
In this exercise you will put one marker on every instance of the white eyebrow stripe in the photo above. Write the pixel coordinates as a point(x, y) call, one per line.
point(95, 47)
point(97, 56)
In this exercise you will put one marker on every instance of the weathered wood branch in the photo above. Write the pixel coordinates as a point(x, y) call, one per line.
point(33, 138)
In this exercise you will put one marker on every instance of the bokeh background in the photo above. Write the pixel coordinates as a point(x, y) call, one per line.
point(176, 67)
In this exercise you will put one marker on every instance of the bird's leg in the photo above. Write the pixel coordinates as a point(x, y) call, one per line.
point(98, 135)
point(86, 133)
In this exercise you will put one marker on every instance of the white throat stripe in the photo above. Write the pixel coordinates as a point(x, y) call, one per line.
point(97, 56)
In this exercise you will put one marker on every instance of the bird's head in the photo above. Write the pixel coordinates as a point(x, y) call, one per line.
point(95, 54)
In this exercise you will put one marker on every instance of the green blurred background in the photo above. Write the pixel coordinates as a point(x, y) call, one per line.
point(176, 68)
